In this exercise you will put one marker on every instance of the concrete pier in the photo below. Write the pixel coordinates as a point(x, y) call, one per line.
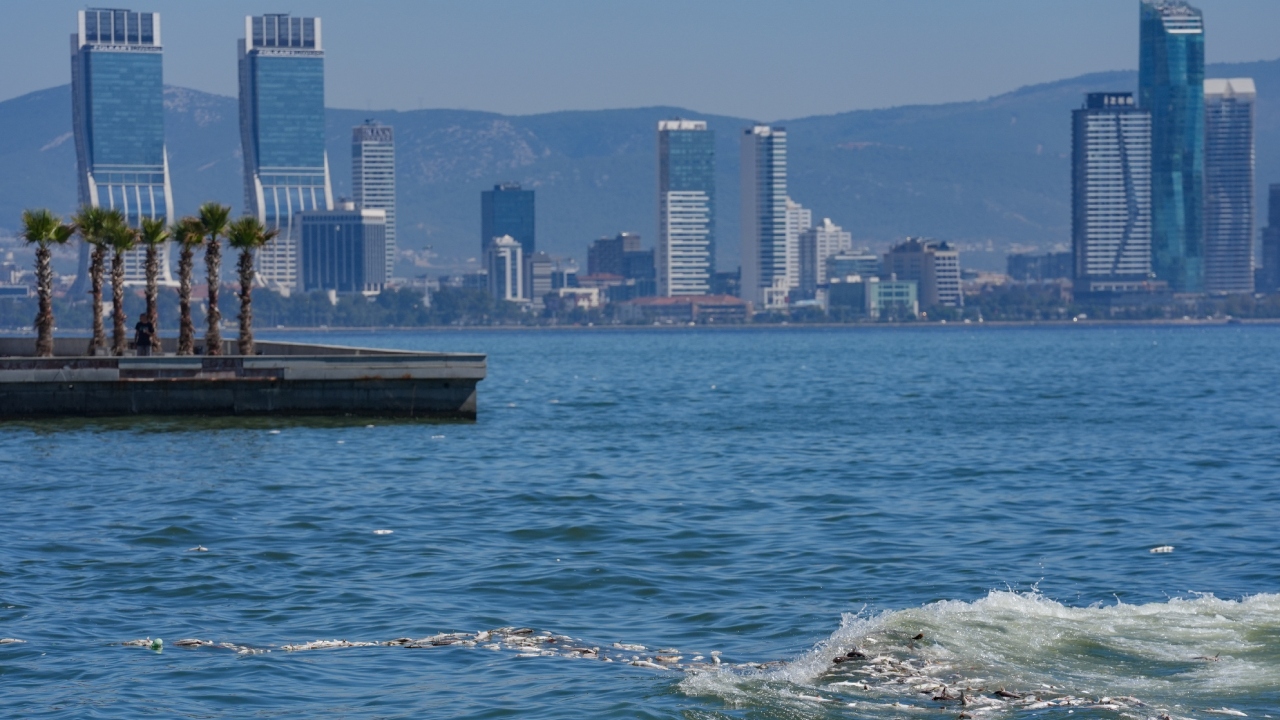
point(284, 379)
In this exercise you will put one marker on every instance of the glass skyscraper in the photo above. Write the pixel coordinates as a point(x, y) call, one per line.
point(686, 207)
point(117, 106)
point(373, 177)
point(286, 169)
point(507, 210)
point(1228, 185)
point(1111, 194)
point(764, 216)
point(1171, 88)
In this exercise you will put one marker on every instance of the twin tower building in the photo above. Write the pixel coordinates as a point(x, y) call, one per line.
point(118, 119)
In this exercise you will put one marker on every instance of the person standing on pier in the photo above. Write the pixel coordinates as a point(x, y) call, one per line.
point(143, 333)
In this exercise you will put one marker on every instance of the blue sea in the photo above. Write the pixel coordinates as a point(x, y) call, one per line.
point(678, 523)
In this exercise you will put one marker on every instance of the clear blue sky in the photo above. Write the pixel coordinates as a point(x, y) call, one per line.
point(763, 60)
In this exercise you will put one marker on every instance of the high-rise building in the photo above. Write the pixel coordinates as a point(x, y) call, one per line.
point(1269, 274)
point(1171, 88)
point(934, 265)
point(505, 262)
point(799, 219)
point(286, 168)
point(686, 252)
point(1110, 194)
point(605, 256)
point(343, 250)
point(1228, 185)
point(373, 177)
point(764, 216)
point(817, 245)
point(117, 107)
point(507, 210)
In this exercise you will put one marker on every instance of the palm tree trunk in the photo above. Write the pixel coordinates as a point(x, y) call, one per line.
point(44, 288)
point(186, 331)
point(118, 339)
point(153, 314)
point(246, 302)
point(213, 265)
point(97, 262)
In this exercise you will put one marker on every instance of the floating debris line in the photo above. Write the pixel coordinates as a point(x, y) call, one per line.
point(910, 683)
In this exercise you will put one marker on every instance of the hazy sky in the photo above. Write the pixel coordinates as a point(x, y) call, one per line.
point(766, 60)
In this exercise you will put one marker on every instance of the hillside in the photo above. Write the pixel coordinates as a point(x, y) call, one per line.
point(987, 174)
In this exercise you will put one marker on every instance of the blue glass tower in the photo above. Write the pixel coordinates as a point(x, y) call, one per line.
point(507, 210)
point(117, 105)
point(1171, 88)
point(686, 207)
point(286, 169)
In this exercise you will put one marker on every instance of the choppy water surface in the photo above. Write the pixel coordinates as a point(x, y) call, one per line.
point(953, 512)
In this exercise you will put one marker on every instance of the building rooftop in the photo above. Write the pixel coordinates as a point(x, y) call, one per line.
point(679, 124)
point(1231, 87)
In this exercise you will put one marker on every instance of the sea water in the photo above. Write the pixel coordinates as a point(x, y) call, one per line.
point(969, 513)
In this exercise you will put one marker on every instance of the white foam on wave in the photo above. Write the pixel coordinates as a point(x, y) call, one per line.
point(1186, 649)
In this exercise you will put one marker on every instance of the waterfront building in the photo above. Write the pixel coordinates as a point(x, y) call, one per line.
point(848, 262)
point(799, 219)
point(1110, 194)
point(1228, 185)
point(686, 251)
point(1171, 88)
point(763, 172)
point(816, 245)
point(605, 256)
point(117, 109)
point(373, 177)
point(935, 266)
point(1027, 267)
point(707, 309)
point(639, 267)
point(286, 168)
point(874, 297)
point(537, 273)
point(504, 259)
point(508, 210)
point(1269, 273)
point(342, 250)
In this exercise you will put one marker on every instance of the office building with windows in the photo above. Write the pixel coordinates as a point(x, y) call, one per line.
point(1111, 194)
point(799, 219)
point(1228, 185)
point(282, 131)
point(763, 173)
point(1268, 275)
point(508, 210)
point(686, 253)
point(504, 259)
point(1171, 88)
point(343, 250)
point(117, 108)
point(373, 177)
point(934, 265)
point(817, 245)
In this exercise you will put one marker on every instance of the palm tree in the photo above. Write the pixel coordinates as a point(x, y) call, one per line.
point(92, 224)
point(214, 219)
point(189, 234)
point(152, 234)
point(247, 235)
point(122, 239)
point(44, 229)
